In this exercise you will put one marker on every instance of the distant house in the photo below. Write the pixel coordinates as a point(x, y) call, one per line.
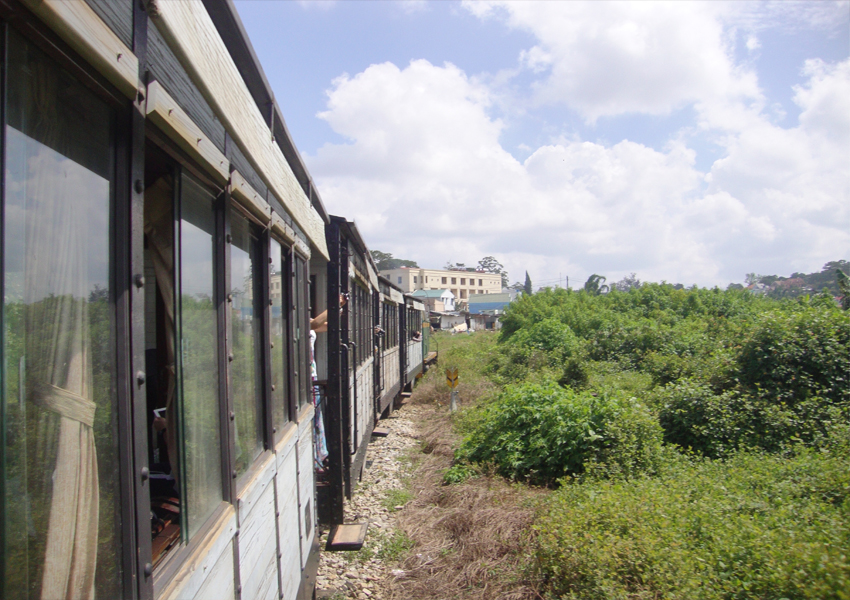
point(448, 321)
point(492, 304)
point(436, 300)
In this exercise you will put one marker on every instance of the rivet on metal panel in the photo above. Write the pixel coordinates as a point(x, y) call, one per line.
point(145, 473)
point(272, 344)
point(228, 238)
point(273, 388)
point(229, 358)
point(233, 474)
point(148, 569)
point(139, 186)
point(230, 297)
point(140, 377)
point(232, 415)
point(139, 280)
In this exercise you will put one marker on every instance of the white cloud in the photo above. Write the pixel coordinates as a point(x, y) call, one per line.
point(425, 176)
point(612, 58)
point(753, 43)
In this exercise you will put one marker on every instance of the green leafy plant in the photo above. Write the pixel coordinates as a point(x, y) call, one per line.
point(542, 432)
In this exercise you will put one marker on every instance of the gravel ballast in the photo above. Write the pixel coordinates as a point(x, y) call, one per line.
point(378, 498)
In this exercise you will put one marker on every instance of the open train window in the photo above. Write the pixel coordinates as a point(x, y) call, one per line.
point(300, 332)
point(181, 353)
point(280, 289)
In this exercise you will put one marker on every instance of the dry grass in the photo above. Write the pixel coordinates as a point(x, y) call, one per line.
point(471, 540)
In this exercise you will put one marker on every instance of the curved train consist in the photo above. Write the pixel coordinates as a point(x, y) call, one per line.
point(194, 353)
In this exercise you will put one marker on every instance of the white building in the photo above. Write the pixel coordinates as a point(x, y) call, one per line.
point(462, 284)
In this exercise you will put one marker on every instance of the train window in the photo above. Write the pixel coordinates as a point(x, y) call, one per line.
point(61, 476)
point(300, 330)
point(198, 425)
point(246, 308)
point(279, 335)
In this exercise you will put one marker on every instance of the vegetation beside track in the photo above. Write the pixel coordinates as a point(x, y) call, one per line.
point(663, 443)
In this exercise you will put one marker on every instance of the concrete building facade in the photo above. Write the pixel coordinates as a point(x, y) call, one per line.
point(462, 284)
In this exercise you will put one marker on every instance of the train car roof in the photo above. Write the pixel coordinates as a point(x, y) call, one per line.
point(226, 20)
point(349, 229)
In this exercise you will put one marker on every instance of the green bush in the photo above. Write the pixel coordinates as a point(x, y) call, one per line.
point(541, 433)
point(757, 526)
point(791, 356)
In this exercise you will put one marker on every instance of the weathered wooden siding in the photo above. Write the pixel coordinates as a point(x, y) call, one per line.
point(361, 414)
point(306, 484)
point(391, 376)
point(273, 528)
point(118, 14)
point(221, 582)
point(414, 357)
point(215, 549)
point(258, 535)
point(167, 70)
point(286, 484)
point(244, 166)
point(192, 35)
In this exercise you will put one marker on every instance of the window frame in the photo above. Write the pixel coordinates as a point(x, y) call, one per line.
point(13, 17)
point(285, 288)
point(262, 362)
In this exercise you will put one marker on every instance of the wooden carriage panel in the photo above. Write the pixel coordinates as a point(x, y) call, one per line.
point(306, 483)
point(258, 549)
point(257, 533)
point(216, 547)
point(220, 583)
point(286, 484)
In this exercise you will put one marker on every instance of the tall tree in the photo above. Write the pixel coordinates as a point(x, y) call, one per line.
point(489, 264)
point(627, 283)
point(527, 286)
point(385, 261)
point(844, 286)
point(595, 285)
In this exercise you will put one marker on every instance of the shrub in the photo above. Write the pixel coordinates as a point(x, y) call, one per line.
point(757, 526)
point(542, 432)
point(791, 356)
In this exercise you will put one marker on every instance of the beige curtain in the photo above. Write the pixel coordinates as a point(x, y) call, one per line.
point(59, 357)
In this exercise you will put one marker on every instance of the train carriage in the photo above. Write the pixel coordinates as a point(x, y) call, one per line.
point(389, 302)
point(416, 329)
point(164, 252)
point(350, 414)
point(159, 234)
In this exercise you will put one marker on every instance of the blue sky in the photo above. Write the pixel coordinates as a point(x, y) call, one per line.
point(689, 142)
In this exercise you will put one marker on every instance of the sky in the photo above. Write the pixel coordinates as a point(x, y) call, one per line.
point(687, 142)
